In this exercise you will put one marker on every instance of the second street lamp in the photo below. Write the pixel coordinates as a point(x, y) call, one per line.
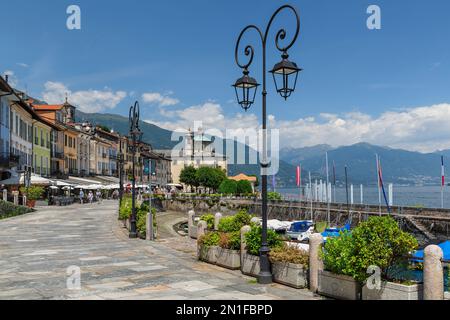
point(285, 74)
point(135, 137)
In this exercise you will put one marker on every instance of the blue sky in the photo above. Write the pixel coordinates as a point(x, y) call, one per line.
point(181, 54)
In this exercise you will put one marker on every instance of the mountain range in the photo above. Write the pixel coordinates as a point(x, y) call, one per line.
point(398, 166)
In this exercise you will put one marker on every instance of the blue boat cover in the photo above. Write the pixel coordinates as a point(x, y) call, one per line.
point(334, 232)
point(445, 246)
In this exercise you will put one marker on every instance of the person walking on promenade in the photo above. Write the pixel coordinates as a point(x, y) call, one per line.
point(81, 196)
point(98, 195)
point(90, 197)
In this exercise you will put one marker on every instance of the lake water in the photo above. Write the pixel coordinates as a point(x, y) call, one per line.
point(427, 196)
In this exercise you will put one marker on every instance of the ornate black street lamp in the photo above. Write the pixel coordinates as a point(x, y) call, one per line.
point(135, 137)
point(285, 74)
point(120, 160)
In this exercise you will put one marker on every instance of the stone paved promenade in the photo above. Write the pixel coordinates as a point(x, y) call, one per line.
point(36, 250)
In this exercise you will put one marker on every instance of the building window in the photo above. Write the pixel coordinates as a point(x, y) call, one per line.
point(65, 140)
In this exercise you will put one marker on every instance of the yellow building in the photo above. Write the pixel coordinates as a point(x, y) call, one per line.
point(70, 150)
point(41, 147)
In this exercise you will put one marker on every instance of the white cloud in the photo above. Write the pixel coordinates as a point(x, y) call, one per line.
point(87, 100)
point(423, 129)
point(210, 114)
point(163, 100)
point(22, 64)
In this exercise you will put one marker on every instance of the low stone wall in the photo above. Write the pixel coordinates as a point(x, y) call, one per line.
point(437, 221)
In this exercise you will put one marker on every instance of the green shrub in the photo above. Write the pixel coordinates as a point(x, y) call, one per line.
point(234, 223)
point(209, 239)
point(242, 218)
point(231, 240)
point(32, 192)
point(8, 210)
point(244, 187)
point(228, 186)
point(376, 242)
point(227, 224)
point(209, 219)
point(274, 196)
point(125, 208)
point(289, 254)
point(141, 220)
point(253, 240)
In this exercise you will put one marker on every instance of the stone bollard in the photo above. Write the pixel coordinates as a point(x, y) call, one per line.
point(244, 230)
point(191, 215)
point(201, 228)
point(255, 220)
point(16, 197)
point(433, 273)
point(217, 218)
point(24, 201)
point(149, 232)
point(5, 195)
point(315, 263)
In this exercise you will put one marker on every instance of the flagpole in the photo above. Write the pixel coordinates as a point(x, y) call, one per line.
point(334, 182)
point(442, 181)
point(328, 196)
point(311, 196)
point(300, 184)
point(378, 184)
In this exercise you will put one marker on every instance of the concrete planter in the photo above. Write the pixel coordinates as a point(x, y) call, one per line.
point(250, 264)
point(446, 295)
point(227, 258)
point(290, 274)
point(208, 254)
point(193, 232)
point(393, 291)
point(338, 286)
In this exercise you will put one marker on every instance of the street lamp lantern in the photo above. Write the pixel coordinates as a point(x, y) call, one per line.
point(285, 75)
point(246, 88)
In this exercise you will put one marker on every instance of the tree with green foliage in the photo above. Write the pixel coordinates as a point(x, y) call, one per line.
point(188, 176)
point(274, 196)
point(104, 128)
point(244, 187)
point(228, 186)
point(210, 178)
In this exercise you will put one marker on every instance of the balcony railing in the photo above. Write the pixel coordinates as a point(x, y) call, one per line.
point(73, 172)
point(9, 160)
point(58, 155)
point(104, 155)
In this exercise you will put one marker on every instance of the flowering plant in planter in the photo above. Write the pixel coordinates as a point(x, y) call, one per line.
point(290, 265)
point(289, 254)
